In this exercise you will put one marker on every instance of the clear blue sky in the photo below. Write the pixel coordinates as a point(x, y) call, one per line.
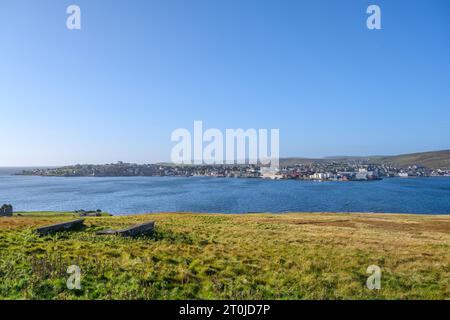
point(137, 70)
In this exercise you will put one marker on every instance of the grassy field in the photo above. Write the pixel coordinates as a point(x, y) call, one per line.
point(257, 256)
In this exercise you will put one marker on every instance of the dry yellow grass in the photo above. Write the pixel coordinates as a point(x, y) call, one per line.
point(252, 256)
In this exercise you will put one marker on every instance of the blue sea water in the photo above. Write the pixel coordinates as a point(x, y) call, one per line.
point(127, 195)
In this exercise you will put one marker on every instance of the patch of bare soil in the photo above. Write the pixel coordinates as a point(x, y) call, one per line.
point(420, 226)
point(332, 223)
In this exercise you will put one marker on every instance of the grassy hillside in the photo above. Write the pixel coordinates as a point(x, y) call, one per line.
point(200, 256)
point(432, 160)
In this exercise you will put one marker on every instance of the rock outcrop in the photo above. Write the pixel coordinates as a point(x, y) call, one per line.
point(134, 231)
point(60, 227)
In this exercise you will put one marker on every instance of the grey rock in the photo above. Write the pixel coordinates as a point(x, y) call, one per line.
point(65, 226)
point(134, 231)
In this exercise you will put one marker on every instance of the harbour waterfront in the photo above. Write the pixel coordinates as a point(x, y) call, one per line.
point(127, 195)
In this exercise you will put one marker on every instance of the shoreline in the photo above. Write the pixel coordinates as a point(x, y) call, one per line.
point(387, 214)
point(220, 177)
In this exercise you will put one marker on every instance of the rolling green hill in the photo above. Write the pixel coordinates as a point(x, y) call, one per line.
point(432, 159)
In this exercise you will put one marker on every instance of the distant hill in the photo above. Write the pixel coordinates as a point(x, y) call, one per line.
point(432, 159)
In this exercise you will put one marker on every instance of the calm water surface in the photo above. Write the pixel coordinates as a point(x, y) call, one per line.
point(126, 195)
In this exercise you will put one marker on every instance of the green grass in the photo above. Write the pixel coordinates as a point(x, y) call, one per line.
point(258, 256)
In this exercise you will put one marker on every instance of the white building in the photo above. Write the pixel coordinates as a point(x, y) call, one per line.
point(270, 173)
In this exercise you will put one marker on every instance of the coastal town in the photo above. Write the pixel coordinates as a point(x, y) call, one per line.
point(345, 170)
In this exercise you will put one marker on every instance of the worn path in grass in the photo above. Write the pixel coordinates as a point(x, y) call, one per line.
point(212, 256)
